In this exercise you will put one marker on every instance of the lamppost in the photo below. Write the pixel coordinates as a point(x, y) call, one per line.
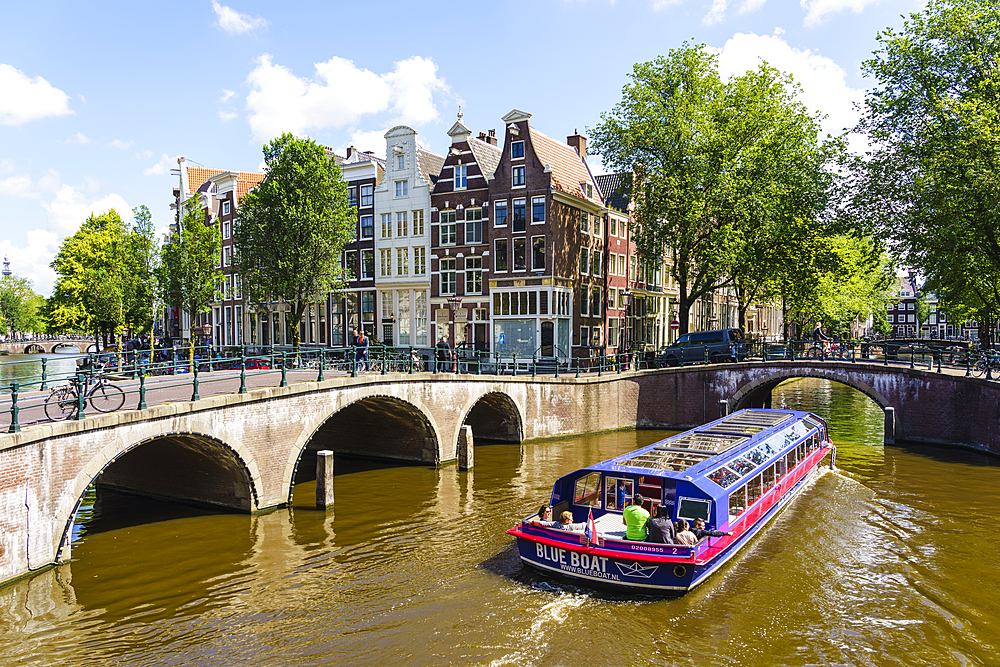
point(454, 302)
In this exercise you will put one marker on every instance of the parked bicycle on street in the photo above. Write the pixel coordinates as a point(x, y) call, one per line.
point(64, 401)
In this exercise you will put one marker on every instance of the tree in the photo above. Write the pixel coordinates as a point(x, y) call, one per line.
point(923, 313)
point(717, 169)
point(929, 180)
point(144, 250)
point(97, 280)
point(291, 229)
point(19, 307)
point(187, 275)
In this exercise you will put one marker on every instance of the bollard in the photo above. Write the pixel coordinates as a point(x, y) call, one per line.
point(534, 366)
point(600, 366)
point(577, 362)
point(853, 358)
point(15, 426)
point(324, 478)
point(44, 386)
point(354, 366)
point(319, 378)
point(142, 389)
point(968, 367)
point(80, 398)
point(706, 354)
point(243, 371)
point(885, 355)
point(557, 365)
point(890, 426)
point(940, 354)
point(911, 356)
point(194, 394)
point(466, 453)
point(284, 371)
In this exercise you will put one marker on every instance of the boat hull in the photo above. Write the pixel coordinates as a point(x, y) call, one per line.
point(647, 569)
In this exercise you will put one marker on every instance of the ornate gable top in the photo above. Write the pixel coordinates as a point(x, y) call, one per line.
point(516, 116)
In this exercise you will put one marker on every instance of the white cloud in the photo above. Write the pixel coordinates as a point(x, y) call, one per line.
point(78, 138)
point(23, 99)
point(227, 115)
point(32, 260)
point(119, 144)
point(716, 13)
point(233, 22)
point(18, 186)
point(69, 208)
point(227, 95)
point(663, 4)
point(7, 166)
point(373, 141)
point(824, 83)
point(751, 6)
point(164, 166)
point(82, 98)
point(280, 101)
point(816, 10)
point(144, 155)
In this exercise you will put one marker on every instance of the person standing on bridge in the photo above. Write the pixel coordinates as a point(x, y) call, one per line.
point(363, 344)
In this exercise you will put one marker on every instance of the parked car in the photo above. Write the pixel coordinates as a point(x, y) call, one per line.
point(721, 345)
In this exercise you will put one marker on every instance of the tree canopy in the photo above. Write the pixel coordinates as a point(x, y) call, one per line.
point(720, 171)
point(929, 179)
point(20, 308)
point(291, 229)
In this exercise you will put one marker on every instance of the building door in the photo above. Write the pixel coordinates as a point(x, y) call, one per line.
point(387, 334)
point(479, 334)
point(548, 340)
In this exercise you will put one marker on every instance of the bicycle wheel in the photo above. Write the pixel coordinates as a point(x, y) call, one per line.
point(60, 404)
point(979, 368)
point(106, 398)
point(814, 352)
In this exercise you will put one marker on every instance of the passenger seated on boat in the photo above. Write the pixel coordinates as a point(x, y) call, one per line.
point(566, 522)
point(685, 536)
point(661, 528)
point(545, 518)
point(700, 531)
point(636, 517)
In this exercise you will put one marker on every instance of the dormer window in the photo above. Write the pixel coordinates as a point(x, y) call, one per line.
point(589, 189)
point(516, 150)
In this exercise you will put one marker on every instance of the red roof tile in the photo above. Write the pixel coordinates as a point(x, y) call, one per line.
point(570, 173)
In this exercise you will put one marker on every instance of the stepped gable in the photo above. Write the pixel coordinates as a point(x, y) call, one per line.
point(429, 165)
point(569, 169)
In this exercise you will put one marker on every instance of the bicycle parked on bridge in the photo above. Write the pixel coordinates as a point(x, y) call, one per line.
point(990, 360)
point(64, 401)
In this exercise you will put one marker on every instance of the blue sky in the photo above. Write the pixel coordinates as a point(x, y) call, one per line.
point(98, 100)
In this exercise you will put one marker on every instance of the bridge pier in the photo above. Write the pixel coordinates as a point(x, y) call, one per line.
point(466, 456)
point(890, 426)
point(324, 478)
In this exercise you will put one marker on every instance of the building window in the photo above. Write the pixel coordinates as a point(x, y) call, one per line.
point(584, 222)
point(595, 336)
point(584, 261)
point(597, 226)
point(597, 264)
point(500, 214)
point(402, 261)
point(447, 276)
point(537, 253)
point(447, 228)
point(367, 264)
point(400, 162)
point(352, 196)
point(368, 226)
point(517, 177)
point(612, 231)
point(892, 318)
point(402, 188)
point(520, 260)
point(367, 195)
point(387, 225)
point(419, 260)
point(516, 149)
point(473, 275)
point(473, 226)
point(500, 255)
point(225, 208)
point(519, 218)
point(596, 302)
point(351, 264)
point(537, 210)
point(418, 223)
point(385, 255)
point(227, 255)
point(401, 226)
point(226, 228)
point(461, 173)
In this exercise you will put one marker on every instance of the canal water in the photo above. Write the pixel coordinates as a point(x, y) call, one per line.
point(26, 369)
point(890, 560)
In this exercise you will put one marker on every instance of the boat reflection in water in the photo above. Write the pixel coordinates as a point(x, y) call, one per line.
point(736, 473)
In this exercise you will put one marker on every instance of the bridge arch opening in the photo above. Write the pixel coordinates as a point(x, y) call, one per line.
point(495, 418)
point(176, 474)
point(376, 427)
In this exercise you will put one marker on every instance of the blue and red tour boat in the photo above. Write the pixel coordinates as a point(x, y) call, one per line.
point(736, 473)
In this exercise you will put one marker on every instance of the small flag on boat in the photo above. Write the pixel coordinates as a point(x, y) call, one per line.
point(591, 529)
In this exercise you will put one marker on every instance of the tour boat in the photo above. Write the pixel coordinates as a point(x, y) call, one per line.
point(737, 473)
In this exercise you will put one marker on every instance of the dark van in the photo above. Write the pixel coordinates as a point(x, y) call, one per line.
point(721, 345)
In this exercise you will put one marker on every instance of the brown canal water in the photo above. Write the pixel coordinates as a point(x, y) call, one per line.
point(891, 560)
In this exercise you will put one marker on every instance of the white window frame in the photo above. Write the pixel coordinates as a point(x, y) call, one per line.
point(402, 188)
point(497, 206)
point(461, 176)
point(516, 143)
point(518, 170)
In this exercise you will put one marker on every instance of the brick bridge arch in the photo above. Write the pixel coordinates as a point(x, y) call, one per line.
point(149, 467)
point(494, 415)
point(757, 392)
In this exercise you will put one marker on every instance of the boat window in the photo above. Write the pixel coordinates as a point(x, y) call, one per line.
point(781, 467)
point(724, 477)
point(694, 508)
point(753, 490)
point(586, 492)
point(737, 502)
point(802, 451)
point(741, 466)
point(617, 493)
point(769, 477)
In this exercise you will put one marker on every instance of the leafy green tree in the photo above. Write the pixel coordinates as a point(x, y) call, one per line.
point(718, 170)
point(96, 285)
point(929, 180)
point(923, 313)
point(187, 274)
point(291, 229)
point(146, 255)
point(19, 307)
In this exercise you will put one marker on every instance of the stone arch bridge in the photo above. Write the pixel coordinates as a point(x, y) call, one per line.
point(243, 452)
point(44, 346)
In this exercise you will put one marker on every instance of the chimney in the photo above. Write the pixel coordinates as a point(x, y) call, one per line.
point(491, 138)
point(578, 142)
point(350, 151)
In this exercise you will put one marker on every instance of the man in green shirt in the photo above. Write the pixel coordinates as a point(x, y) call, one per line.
point(636, 518)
